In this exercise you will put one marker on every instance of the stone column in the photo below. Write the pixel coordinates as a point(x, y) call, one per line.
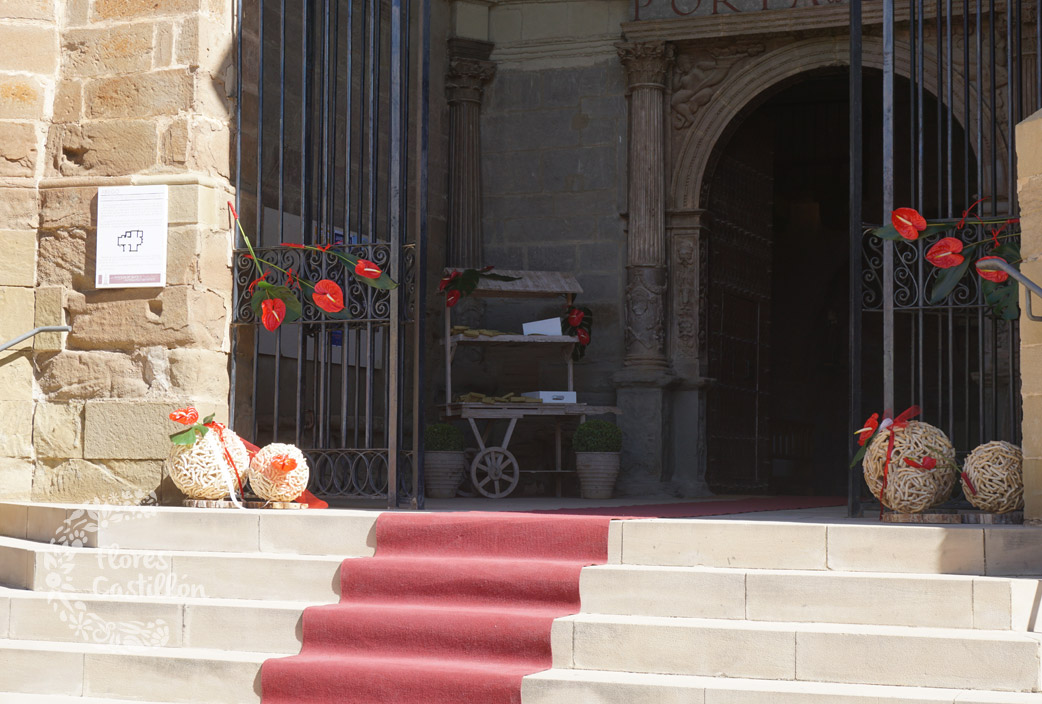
point(641, 384)
point(469, 72)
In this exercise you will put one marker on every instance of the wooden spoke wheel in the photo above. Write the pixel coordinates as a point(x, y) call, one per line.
point(494, 472)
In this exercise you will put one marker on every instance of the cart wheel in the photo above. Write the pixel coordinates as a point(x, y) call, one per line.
point(494, 472)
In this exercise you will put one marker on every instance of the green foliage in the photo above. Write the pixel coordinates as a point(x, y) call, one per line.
point(442, 437)
point(889, 232)
point(272, 291)
point(597, 436)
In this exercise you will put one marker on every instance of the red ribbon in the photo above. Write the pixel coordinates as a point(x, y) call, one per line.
point(899, 422)
point(219, 429)
point(966, 478)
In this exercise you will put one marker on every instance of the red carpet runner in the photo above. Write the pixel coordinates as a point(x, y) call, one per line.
point(454, 608)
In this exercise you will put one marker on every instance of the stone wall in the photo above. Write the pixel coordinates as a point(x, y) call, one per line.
point(96, 93)
point(1029, 188)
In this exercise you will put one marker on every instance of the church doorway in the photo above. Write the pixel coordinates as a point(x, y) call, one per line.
point(777, 310)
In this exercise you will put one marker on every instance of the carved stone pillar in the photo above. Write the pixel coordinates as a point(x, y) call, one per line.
point(646, 65)
point(469, 72)
point(641, 385)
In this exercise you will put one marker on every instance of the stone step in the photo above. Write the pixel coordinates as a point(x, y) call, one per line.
point(18, 698)
point(140, 673)
point(849, 547)
point(591, 686)
point(51, 568)
point(851, 654)
point(222, 624)
point(348, 533)
point(809, 596)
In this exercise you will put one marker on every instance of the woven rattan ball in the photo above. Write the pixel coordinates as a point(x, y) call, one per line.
point(996, 473)
point(268, 477)
point(909, 489)
point(201, 470)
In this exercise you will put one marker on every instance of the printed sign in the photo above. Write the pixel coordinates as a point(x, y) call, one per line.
point(132, 224)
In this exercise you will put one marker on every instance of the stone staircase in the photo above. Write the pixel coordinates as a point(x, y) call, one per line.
point(160, 605)
point(756, 612)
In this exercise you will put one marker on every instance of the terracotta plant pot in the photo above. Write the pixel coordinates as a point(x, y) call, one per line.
point(597, 472)
point(443, 473)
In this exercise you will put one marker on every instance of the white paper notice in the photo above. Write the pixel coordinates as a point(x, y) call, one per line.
point(132, 224)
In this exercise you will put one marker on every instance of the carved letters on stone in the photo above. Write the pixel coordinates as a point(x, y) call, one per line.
point(699, 75)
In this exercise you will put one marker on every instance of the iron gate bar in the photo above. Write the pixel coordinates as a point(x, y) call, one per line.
point(854, 115)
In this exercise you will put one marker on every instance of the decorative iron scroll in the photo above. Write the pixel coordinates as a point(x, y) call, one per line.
point(356, 473)
point(364, 304)
point(914, 276)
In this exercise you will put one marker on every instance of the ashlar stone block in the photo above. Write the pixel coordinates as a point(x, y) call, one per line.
point(28, 47)
point(18, 265)
point(77, 481)
point(139, 95)
point(16, 440)
point(85, 375)
point(18, 149)
point(16, 375)
point(105, 148)
point(16, 479)
point(58, 430)
point(21, 98)
point(128, 429)
point(113, 49)
point(17, 304)
point(50, 310)
point(128, 9)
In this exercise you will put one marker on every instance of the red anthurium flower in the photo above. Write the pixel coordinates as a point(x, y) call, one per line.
point(448, 280)
point(575, 317)
point(282, 463)
point(185, 416)
point(367, 269)
point(273, 312)
point(870, 427)
point(926, 463)
point(452, 297)
point(328, 296)
point(908, 223)
point(996, 276)
point(945, 253)
point(584, 337)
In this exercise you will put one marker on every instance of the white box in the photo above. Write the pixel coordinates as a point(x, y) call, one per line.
point(552, 396)
point(550, 326)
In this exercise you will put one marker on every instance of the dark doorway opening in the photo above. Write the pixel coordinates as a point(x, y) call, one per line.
point(777, 311)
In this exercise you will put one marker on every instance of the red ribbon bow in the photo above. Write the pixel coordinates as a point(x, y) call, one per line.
point(219, 428)
point(890, 426)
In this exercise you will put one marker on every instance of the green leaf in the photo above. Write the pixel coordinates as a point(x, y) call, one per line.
point(500, 277)
point(289, 298)
point(185, 437)
point(947, 280)
point(860, 453)
point(1003, 299)
point(209, 418)
point(384, 281)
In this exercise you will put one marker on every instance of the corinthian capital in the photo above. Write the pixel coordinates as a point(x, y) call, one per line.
point(646, 62)
point(469, 70)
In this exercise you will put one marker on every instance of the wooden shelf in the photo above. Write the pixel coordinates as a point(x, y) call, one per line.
point(514, 339)
point(531, 284)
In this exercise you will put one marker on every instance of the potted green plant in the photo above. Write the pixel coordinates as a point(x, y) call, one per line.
point(443, 460)
point(597, 445)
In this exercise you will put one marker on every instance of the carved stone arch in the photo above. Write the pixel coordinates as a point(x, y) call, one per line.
point(755, 78)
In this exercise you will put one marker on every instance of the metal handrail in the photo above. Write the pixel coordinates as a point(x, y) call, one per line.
point(998, 264)
point(35, 331)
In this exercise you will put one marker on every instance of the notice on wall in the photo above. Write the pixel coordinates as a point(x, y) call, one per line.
point(132, 226)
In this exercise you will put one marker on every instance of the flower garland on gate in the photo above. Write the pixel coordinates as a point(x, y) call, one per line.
point(953, 257)
point(578, 322)
point(459, 283)
point(274, 305)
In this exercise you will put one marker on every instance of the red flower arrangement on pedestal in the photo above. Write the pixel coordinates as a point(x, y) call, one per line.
point(953, 257)
point(274, 305)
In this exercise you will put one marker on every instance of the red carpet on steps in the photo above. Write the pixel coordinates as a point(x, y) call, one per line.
point(455, 608)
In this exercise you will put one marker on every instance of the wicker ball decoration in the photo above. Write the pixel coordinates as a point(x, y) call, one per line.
point(201, 470)
point(910, 489)
point(268, 478)
point(996, 471)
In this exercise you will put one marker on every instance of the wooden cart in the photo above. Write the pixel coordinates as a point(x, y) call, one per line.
point(494, 471)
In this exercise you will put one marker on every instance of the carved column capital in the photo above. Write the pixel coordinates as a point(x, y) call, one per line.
point(467, 78)
point(646, 63)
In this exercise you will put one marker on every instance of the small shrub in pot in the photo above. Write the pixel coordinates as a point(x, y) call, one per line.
point(443, 460)
point(597, 445)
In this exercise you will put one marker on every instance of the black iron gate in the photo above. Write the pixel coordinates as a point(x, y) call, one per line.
point(935, 132)
point(331, 150)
